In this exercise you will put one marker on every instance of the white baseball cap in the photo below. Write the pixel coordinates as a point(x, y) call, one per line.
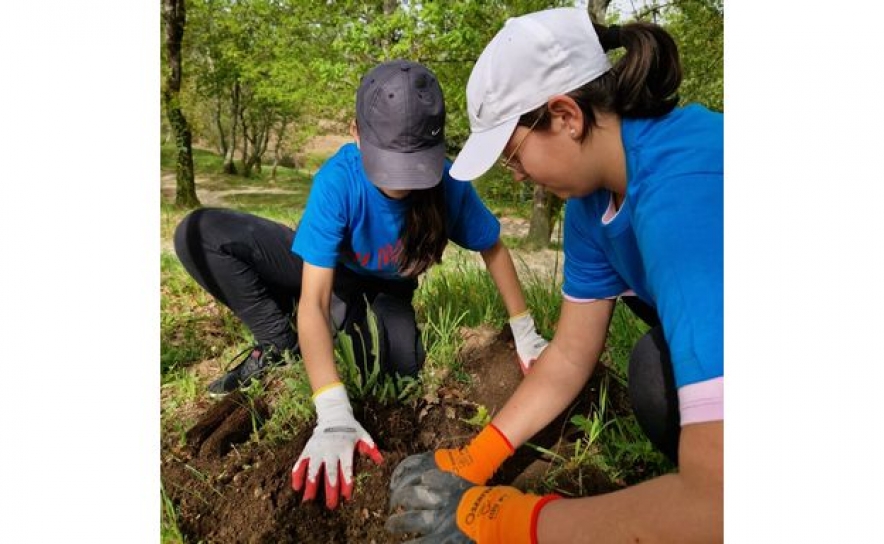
point(532, 58)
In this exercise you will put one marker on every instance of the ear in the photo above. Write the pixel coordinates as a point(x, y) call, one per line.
point(566, 115)
point(354, 131)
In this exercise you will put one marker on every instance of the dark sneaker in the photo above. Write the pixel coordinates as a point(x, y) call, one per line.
point(258, 361)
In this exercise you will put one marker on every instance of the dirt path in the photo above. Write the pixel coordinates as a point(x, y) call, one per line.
point(211, 197)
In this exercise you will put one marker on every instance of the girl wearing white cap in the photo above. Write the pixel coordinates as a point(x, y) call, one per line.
point(380, 213)
point(643, 181)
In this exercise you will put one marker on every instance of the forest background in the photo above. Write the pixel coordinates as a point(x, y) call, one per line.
point(256, 80)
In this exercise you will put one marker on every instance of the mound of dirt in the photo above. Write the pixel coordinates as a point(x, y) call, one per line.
point(229, 489)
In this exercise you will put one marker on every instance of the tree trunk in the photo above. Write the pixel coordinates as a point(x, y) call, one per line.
point(219, 126)
point(597, 10)
point(229, 166)
point(246, 139)
point(175, 18)
point(555, 206)
point(280, 134)
point(539, 230)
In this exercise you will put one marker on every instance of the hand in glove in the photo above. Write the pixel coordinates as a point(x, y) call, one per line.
point(428, 507)
point(529, 344)
point(336, 435)
point(475, 462)
point(445, 512)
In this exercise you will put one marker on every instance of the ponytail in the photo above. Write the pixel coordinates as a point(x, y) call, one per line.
point(649, 73)
point(424, 235)
point(643, 83)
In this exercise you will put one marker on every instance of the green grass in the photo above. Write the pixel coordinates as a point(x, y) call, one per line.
point(504, 196)
point(169, 531)
point(461, 287)
point(284, 206)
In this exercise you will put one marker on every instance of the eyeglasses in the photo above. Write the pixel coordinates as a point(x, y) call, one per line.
point(516, 166)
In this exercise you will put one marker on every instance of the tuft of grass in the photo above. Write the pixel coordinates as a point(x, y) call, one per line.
point(292, 405)
point(630, 455)
point(584, 454)
point(169, 531)
point(373, 382)
point(543, 294)
point(480, 419)
point(462, 286)
point(442, 341)
point(193, 326)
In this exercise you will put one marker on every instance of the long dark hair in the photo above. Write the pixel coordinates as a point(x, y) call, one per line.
point(643, 83)
point(424, 234)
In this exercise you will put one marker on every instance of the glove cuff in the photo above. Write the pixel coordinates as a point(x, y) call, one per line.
point(522, 320)
point(478, 460)
point(498, 515)
point(523, 326)
point(331, 402)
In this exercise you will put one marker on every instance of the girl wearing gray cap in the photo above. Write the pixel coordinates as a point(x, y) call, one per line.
point(380, 213)
point(643, 181)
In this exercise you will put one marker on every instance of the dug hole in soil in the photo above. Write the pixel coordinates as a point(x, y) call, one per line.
point(228, 489)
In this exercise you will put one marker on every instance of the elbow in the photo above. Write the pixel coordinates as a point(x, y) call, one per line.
point(489, 254)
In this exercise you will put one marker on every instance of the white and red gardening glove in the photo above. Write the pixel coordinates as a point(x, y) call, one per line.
point(529, 343)
point(336, 435)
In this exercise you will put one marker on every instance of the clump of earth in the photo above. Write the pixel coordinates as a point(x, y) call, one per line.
point(228, 488)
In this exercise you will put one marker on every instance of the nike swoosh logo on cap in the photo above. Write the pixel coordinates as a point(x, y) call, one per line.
point(435, 132)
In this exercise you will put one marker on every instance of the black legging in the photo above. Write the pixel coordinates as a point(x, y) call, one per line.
point(652, 389)
point(246, 263)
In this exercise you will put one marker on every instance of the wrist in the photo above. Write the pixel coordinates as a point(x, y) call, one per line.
point(478, 460)
point(522, 324)
point(498, 515)
point(331, 401)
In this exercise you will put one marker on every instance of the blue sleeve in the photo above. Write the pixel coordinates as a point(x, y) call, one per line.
point(679, 228)
point(324, 223)
point(588, 273)
point(471, 224)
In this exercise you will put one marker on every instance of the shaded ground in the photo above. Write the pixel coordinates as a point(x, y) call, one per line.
point(227, 489)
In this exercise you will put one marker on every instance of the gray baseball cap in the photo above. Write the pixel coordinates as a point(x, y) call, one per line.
point(400, 112)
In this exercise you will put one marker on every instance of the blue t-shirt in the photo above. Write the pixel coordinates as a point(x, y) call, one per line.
point(348, 220)
point(665, 243)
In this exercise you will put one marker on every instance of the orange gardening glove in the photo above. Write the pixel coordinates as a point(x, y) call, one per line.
point(473, 464)
point(425, 488)
point(441, 510)
point(477, 461)
point(500, 515)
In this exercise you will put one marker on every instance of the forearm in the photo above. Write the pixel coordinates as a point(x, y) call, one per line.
point(314, 335)
point(542, 395)
point(685, 507)
point(560, 373)
point(500, 265)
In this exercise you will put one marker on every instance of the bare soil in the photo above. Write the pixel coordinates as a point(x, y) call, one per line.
point(228, 489)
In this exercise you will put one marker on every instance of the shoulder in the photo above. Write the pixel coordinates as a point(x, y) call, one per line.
point(691, 125)
point(345, 161)
point(341, 174)
point(687, 141)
